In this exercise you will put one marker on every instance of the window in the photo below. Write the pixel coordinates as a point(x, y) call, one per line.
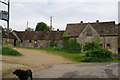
point(88, 33)
point(101, 45)
point(108, 46)
point(30, 41)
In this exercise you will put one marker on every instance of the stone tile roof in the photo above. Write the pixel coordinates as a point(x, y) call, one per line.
point(40, 35)
point(102, 28)
point(11, 36)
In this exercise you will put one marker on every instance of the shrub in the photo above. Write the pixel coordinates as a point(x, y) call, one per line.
point(90, 59)
point(91, 46)
point(53, 44)
point(99, 53)
point(7, 50)
point(71, 46)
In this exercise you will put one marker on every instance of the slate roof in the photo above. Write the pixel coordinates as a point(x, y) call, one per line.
point(102, 28)
point(40, 35)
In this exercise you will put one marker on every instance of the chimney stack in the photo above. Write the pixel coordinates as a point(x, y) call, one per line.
point(97, 20)
point(81, 21)
point(58, 31)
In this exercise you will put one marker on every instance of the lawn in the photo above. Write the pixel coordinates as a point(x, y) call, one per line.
point(7, 50)
point(78, 57)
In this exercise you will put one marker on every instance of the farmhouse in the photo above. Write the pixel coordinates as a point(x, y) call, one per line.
point(87, 32)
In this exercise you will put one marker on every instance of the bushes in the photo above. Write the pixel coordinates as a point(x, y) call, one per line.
point(71, 46)
point(99, 53)
point(93, 53)
point(7, 50)
point(91, 46)
point(53, 44)
point(91, 59)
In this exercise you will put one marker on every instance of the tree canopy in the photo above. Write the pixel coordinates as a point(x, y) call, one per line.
point(41, 26)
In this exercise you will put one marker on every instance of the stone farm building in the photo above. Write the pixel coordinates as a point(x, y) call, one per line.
point(34, 38)
point(87, 32)
point(82, 32)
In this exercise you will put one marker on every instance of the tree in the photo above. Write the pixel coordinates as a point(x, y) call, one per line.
point(41, 27)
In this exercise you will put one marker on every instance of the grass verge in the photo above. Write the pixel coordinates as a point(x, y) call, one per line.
point(7, 50)
point(78, 57)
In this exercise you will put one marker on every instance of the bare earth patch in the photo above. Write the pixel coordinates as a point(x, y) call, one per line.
point(31, 59)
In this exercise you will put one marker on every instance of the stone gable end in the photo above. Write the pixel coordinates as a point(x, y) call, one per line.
point(87, 35)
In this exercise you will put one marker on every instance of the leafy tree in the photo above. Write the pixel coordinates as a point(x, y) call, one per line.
point(71, 46)
point(41, 26)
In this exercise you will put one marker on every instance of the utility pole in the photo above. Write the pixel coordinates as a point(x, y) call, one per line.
point(8, 20)
point(8, 17)
point(27, 24)
point(51, 22)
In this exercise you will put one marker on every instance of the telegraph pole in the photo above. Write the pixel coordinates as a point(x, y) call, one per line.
point(8, 17)
point(27, 24)
point(8, 21)
point(51, 22)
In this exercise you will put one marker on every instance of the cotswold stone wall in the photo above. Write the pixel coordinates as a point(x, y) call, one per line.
point(37, 43)
point(5, 41)
point(109, 42)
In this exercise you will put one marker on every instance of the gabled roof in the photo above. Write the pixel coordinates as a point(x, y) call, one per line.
point(4, 35)
point(102, 28)
point(39, 35)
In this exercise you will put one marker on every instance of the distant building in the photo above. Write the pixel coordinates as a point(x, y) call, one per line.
point(87, 32)
point(37, 38)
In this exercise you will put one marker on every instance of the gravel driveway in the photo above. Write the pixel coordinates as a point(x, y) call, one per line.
point(31, 59)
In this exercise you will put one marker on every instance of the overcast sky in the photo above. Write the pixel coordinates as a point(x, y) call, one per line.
point(63, 12)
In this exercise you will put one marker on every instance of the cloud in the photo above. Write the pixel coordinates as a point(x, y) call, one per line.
point(63, 12)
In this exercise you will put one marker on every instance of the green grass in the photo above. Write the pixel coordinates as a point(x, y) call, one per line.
point(72, 56)
point(78, 57)
point(7, 50)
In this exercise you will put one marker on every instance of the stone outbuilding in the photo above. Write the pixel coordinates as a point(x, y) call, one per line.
point(37, 38)
point(88, 32)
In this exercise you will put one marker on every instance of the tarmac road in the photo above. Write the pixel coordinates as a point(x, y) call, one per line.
point(80, 70)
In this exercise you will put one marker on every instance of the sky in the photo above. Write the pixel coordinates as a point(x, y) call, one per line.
point(63, 12)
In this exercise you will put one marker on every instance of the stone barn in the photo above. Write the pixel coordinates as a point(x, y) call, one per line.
point(88, 32)
point(37, 38)
point(5, 40)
